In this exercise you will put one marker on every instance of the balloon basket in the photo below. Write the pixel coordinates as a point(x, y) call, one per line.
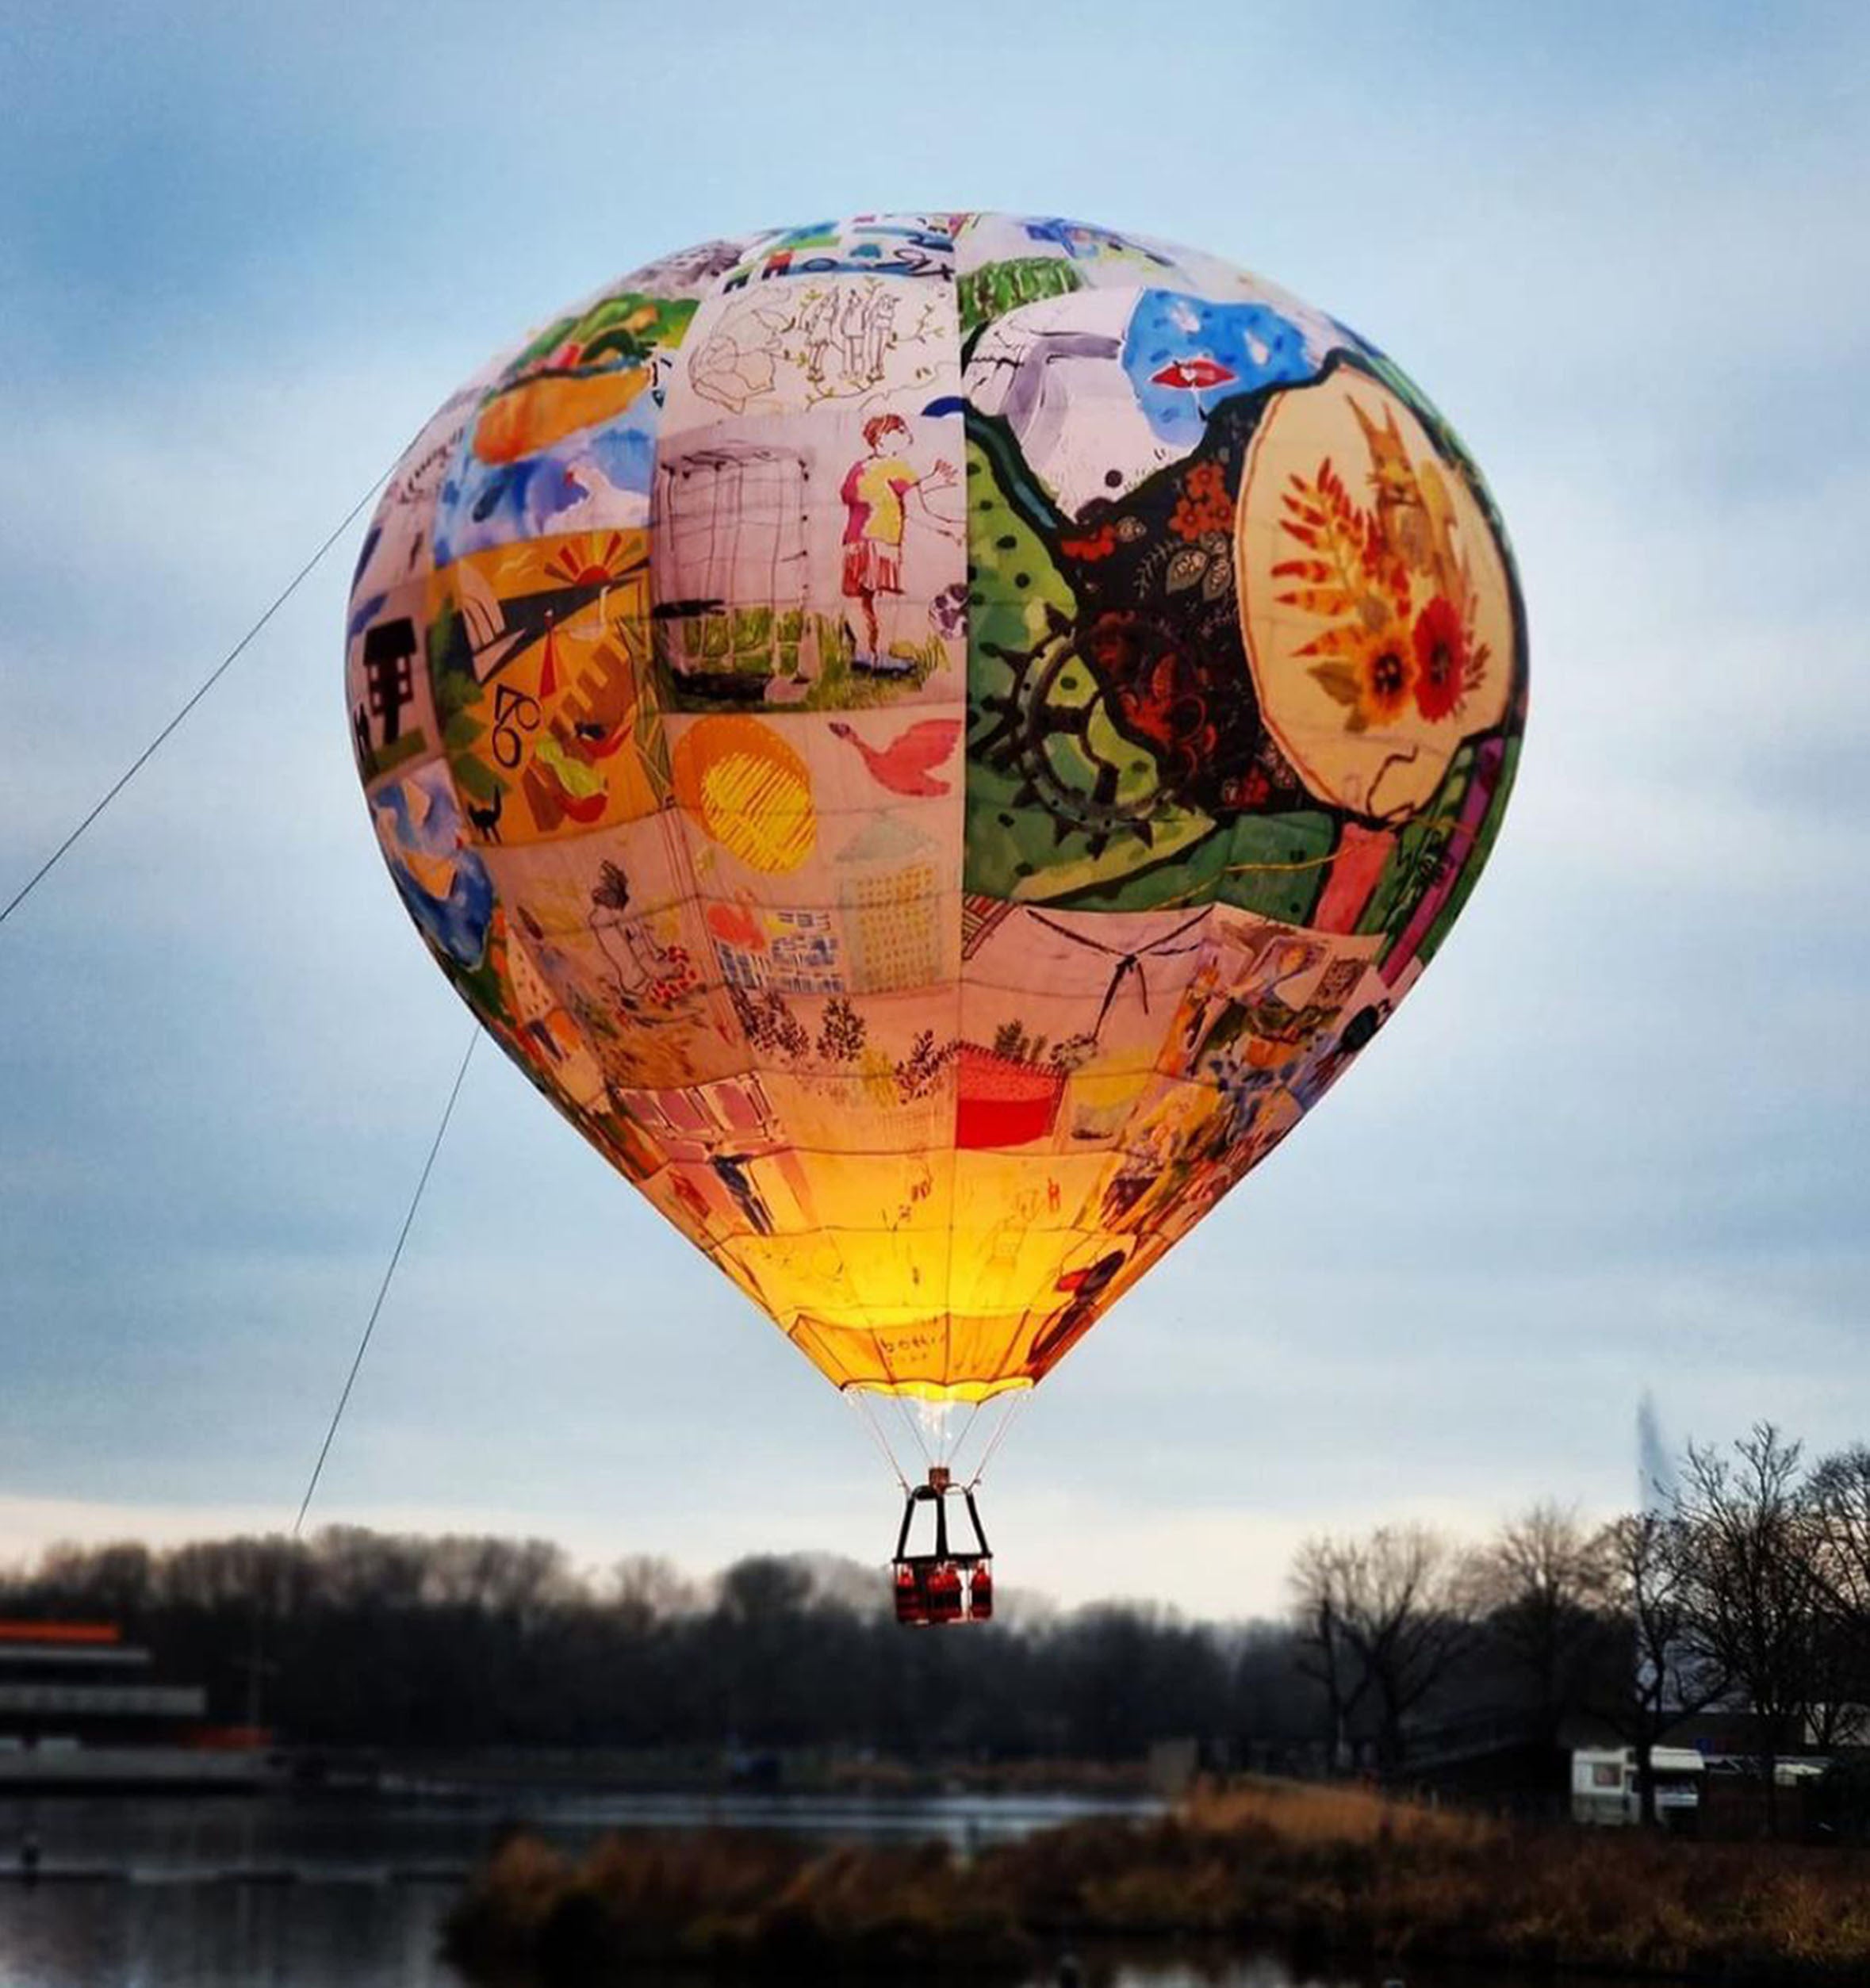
point(952, 1582)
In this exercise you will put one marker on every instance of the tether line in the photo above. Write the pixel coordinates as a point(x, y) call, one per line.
point(214, 677)
point(383, 1290)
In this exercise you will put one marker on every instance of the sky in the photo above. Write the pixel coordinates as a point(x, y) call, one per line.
point(1615, 1141)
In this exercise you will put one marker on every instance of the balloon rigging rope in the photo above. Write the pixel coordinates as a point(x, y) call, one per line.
point(855, 1397)
point(908, 1420)
point(383, 1289)
point(1020, 1398)
point(960, 1442)
point(214, 677)
point(907, 1416)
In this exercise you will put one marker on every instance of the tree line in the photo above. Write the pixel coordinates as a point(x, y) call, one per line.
point(1744, 1584)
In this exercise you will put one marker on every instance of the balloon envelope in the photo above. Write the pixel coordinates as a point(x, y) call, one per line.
point(934, 739)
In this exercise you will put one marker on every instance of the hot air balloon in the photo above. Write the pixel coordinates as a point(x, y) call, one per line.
point(934, 739)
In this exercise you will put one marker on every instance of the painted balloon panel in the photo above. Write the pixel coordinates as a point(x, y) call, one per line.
point(564, 438)
point(393, 720)
point(445, 886)
point(807, 491)
point(934, 740)
point(399, 546)
point(1374, 598)
point(538, 658)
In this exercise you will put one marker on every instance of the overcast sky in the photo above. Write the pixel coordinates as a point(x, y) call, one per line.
point(1615, 1140)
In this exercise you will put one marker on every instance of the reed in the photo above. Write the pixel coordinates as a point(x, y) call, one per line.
point(1336, 1870)
point(752, 1901)
point(1298, 1812)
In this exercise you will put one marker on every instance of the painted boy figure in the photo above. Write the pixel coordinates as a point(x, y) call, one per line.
point(875, 492)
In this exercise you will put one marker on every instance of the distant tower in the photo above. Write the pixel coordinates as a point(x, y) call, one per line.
point(1655, 1467)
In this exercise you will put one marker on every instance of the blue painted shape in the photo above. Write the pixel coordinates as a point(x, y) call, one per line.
point(1186, 354)
point(1084, 243)
point(498, 504)
point(457, 924)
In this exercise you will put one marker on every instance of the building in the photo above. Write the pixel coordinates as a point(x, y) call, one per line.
point(80, 1708)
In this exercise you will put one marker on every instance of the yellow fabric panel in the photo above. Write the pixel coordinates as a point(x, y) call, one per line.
point(917, 1359)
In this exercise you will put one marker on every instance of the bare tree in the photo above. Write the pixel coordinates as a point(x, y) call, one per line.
point(1672, 1675)
point(1544, 1581)
point(649, 1588)
point(1387, 1614)
point(1327, 1656)
point(1839, 1488)
point(1838, 1491)
point(1754, 1582)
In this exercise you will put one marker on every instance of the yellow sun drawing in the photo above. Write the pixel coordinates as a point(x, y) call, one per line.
point(748, 790)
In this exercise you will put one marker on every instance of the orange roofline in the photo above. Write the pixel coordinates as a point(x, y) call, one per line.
point(59, 1633)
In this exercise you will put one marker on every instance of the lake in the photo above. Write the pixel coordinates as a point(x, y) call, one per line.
point(172, 1892)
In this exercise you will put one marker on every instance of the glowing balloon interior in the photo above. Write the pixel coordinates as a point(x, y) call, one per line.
point(934, 739)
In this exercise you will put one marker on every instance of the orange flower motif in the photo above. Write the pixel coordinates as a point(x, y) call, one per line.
point(1384, 672)
point(1439, 641)
point(1204, 505)
point(1098, 544)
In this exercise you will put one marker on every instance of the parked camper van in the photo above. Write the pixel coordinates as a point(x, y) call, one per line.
point(1606, 1788)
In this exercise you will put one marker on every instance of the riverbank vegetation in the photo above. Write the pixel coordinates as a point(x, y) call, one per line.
point(1333, 1873)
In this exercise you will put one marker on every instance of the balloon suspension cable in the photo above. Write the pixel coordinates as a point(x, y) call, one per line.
point(907, 1416)
point(864, 1414)
point(960, 1442)
point(945, 1455)
point(396, 1257)
point(1014, 1407)
point(902, 1413)
point(214, 677)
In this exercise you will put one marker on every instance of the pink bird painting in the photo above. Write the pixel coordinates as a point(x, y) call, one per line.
point(906, 765)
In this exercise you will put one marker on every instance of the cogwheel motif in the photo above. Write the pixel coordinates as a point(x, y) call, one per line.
point(1189, 732)
point(1044, 729)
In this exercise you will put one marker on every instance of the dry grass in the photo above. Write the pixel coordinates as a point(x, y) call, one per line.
point(1302, 1812)
point(1332, 1869)
point(754, 1900)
